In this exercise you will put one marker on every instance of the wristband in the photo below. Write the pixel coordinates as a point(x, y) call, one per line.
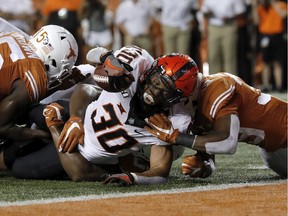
point(186, 140)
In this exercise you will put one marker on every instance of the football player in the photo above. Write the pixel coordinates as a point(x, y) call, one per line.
point(31, 68)
point(113, 122)
point(230, 111)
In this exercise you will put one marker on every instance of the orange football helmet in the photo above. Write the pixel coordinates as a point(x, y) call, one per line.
point(170, 79)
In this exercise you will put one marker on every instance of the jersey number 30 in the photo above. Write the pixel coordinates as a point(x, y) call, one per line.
point(108, 140)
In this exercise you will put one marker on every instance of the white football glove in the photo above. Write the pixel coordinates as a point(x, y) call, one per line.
point(94, 54)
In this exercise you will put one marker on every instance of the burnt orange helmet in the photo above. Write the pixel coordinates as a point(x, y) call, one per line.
point(171, 78)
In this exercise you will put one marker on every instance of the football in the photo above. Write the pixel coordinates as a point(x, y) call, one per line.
point(111, 83)
point(101, 77)
point(193, 166)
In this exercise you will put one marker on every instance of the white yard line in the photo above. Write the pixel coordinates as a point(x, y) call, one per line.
point(123, 195)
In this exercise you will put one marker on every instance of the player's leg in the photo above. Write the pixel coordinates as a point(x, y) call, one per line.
point(183, 38)
point(229, 45)
point(214, 50)
point(3, 144)
point(41, 164)
point(277, 161)
point(11, 150)
point(169, 36)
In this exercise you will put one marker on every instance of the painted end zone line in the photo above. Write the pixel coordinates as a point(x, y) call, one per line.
point(123, 195)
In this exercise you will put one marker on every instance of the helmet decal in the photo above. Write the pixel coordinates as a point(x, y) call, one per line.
point(48, 48)
point(72, 52)
point(58, 50)
point(184, 69)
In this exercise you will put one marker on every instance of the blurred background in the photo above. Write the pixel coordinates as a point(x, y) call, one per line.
point(247, 38)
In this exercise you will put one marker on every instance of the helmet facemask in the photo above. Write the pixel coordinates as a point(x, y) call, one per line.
point(170, 79)
point(159, 89)
point(56, 79)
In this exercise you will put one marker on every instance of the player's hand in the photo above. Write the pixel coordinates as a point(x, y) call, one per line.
point(53, 114)
point(116, 68)
point(67, 80)
point(122, 179)
point(77, 76)
point(94, 55)
point(71, 135)
point(161, 127)
point(73, 78)
point(209, 168)
point(195, 166)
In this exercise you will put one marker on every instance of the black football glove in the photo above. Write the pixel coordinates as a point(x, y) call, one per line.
point(209, 164)
point(122, 179)
point(208, 169)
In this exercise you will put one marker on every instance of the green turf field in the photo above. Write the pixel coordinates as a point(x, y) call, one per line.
point(245, 166)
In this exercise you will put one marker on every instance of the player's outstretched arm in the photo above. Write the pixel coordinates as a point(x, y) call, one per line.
point(160, 164)
point(222, 140)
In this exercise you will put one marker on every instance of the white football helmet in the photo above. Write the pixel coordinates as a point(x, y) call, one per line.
point(58, 50)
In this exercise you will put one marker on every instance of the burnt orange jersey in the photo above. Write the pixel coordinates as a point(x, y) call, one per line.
point(18, 61)
point(263, 118)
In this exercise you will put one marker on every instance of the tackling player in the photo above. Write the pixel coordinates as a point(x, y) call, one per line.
point(114, 122)
point(230, 111)
point(30, 69)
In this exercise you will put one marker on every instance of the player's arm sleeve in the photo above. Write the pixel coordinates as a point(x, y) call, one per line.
point(228, 141)
point(223, 140)
point(180, 117)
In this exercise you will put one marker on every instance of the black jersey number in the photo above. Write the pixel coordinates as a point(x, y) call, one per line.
point(117, 134)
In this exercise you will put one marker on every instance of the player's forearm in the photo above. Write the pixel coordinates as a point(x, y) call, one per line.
point(215, 143)
point(86, 93)
point(223, 140)
point(74, 164)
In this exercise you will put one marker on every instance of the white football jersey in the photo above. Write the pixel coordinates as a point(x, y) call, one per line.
point(107, 136)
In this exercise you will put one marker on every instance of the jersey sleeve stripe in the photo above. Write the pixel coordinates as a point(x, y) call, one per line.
point(33, 85)
point(219, 99)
